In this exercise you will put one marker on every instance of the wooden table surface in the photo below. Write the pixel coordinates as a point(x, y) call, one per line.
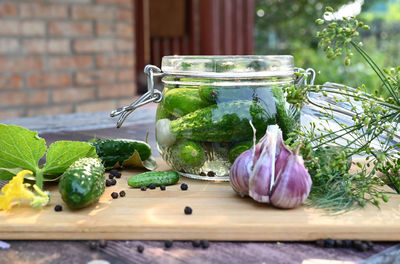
point(86, 126)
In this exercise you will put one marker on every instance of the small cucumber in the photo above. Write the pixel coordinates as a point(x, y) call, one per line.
point(181, 101)
point(187, 155)
point(113, 151)
point(82, 183)
point(161, 112)
point(157, 178)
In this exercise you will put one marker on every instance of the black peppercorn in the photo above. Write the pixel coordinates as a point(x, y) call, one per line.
point(102, 243)
point(347, 243)
point(152, 186)
point(329, 243)
point(162, 187)
point(210, 174)
point(140, 248)
point(188, 210)
point(114, 172)
point(143, 188)
point(204, 243)
point(168, 243)
point(203, 173)
point(122, 193)
point(58, 208)
point(338, 243)
point(111, 176)
point(113, 182)
point(93, 245)
point(118, 175)
point(108, 183)
point(320, 243)
point(114, 195)
point(196, 243)
point(184, 186)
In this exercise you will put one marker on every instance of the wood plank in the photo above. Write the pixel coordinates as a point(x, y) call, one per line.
point(218, 214)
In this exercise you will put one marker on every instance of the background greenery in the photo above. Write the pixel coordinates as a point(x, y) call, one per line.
point(288, 27)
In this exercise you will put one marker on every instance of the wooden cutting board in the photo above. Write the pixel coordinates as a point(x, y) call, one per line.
point(218, 214)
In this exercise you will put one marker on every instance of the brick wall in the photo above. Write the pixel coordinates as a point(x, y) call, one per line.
point(65, 56)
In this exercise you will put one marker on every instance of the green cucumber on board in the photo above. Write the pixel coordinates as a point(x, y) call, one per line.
point(157, 178)
point(225, 122)
point(115, 151)
point(82, 183)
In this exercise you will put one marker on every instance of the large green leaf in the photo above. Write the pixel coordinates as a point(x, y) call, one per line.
point(62, 154)
point(20, 148)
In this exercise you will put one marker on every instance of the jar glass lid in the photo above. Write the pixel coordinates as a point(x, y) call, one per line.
point(229, 66)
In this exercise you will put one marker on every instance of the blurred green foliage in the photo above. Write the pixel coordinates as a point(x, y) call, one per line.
point(288, 27)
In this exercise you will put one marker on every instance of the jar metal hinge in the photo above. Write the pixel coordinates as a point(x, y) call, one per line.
point(152, 95)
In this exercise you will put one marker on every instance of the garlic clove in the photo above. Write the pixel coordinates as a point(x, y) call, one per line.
point(282, 154)
point(263, 172)
point(293, 184)
point(240, 173)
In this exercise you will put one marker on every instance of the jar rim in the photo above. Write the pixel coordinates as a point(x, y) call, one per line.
point(227, 66)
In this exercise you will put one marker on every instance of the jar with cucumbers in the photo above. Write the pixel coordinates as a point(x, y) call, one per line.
point(203, 118)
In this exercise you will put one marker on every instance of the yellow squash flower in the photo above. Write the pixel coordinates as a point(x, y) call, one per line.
point(16, 190)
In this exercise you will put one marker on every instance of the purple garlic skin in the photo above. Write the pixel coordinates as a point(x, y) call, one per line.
point(293, 184)
point(271, 173)
point(240, 173)
point(263, 173)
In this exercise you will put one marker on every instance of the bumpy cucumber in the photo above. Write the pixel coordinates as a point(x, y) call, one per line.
point(113, 151)
point(285, 120)
point(181, 101)
point(157, 178)
point(82, 183)
point(161, 112)
point(225, 122)
point(238, 149)
point(187, 154)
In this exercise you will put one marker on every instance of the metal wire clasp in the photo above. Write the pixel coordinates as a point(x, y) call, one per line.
point(151, 95)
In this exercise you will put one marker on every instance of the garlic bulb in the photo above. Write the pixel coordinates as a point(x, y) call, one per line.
point(271, 172)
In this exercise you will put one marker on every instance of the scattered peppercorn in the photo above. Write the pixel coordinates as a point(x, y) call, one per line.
point(118, 175)
point(103, 243)
point(122, 193)
point(140, 248)
point(203, 173)
point(184, 186)
point(320, 242)
point(111, 176)
point(196, 243)
point(113, 182)
point(162, 187)
point(152, 186)
point(168, 243)
point(210, 174)
point(329, 243)
point(108, 183)
point(347, 243)
point(58, 208)
point(92, 245)
point(204, 243)
point(114, 195)
point(339, 243)
point(188, 210)
point(115, 172)
point(143, 188)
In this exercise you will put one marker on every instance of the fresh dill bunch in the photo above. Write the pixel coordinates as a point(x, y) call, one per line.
point(329, 147)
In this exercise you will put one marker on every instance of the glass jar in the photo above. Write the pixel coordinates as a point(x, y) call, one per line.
point(203, 120)
point(209, 104)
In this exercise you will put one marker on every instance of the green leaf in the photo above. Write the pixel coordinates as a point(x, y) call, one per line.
point(6, 175)
point(62, 154)
point(20, 148)
point(135, 161)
